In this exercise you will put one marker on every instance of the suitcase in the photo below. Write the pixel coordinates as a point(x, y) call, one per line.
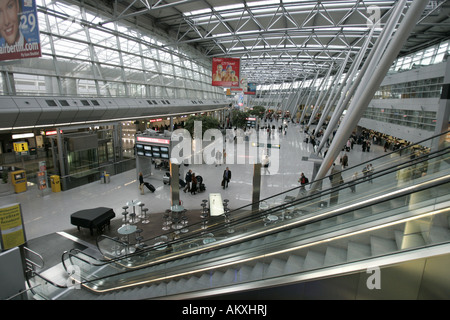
point(152, 188)
point(182, 183)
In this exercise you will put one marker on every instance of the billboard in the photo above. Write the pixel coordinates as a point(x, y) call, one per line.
point(225, 72)
point(19, 30)
point(251, 88)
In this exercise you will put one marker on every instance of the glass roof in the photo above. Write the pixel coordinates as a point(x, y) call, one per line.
point(293, 37)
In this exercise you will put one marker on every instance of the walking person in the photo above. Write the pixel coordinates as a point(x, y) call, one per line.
point(142, 183)
point(188, 179)
point(265, 163)
point(226, 177)
point(194, 184)
point(344, 160)
point(303, 181)
point(218, 158)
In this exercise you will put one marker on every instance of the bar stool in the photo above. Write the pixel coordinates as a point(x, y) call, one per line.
point(204, 210)
point(141, 205)
point(133, 218)
point(144, 218)
point(124, 219)
point(124, 213)
point(225, 203)
point(166, 220)
point(204, 217)
point(139, 238)
point(184, 218)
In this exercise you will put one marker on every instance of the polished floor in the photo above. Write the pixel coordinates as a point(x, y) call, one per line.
point(49, 212)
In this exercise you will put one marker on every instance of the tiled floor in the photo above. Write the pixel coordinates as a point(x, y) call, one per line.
point(48, 213)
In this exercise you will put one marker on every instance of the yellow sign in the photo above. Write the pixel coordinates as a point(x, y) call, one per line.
point(20, 146)
point(11, 227)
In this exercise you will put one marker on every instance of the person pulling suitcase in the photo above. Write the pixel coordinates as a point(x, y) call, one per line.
point(142, 183)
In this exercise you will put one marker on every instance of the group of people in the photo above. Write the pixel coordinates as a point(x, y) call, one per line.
point(193, 183)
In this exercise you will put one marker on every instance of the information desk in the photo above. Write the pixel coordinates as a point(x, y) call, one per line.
point(92, 218)
point(215, 204)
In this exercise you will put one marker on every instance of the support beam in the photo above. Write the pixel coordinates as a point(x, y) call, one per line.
point(374, 55)
point(371, 83)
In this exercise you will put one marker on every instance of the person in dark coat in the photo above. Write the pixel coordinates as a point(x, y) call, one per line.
point(194, 184)
point(188, 180)
point(226, 177)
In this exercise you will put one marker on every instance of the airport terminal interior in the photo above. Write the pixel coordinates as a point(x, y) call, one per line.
point(225, 150)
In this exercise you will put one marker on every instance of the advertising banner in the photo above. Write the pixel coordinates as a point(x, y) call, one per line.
point(251, 88)
point(11, 227)
point(19, 30)
point(225, 72)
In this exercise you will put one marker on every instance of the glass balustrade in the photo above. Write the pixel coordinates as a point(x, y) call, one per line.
point(406, 197)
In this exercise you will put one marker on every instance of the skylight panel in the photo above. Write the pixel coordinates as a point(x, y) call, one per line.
point(229, 7)
point(197, 12)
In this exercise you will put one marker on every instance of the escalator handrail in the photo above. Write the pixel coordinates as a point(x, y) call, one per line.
point(306, 199)
point(260, 213)
point(429, 184)
point(325, 192)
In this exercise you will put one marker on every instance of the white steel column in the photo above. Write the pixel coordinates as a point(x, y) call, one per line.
point(371, 83)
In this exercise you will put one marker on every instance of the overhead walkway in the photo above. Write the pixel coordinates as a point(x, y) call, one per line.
point(397, 213)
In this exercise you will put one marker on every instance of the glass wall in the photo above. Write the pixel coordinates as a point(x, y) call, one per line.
point(431, 55)
point(82, 58)
point(427, 88)
point(425, 120)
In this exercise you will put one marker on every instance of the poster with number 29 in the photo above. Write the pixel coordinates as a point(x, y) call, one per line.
point(19, 30)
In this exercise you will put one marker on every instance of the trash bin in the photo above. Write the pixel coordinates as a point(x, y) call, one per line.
point(105, 178)
point(55, 183)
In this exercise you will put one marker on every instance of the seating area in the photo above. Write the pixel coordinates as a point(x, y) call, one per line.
point(138, 224)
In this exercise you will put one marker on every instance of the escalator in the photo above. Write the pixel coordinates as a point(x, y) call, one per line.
point(396, 214)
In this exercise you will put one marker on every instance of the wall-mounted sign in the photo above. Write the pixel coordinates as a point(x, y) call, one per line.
point(152, 140)
point(52, 132)
point(20, 146)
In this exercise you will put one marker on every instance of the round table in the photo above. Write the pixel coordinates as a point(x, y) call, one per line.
point(263, 206)
point(126, 230)
point(134, 203)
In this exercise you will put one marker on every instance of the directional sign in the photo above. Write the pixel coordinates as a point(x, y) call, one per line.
point(20, 146)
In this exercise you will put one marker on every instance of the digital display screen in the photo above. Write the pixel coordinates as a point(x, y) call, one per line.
point(139, 146)
point(156, 155)
point(140, 153)
point(148, 154)
point(155, 148)
point(164, 149)
point(165, 155)
point(147, 148)
point(18, 176)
